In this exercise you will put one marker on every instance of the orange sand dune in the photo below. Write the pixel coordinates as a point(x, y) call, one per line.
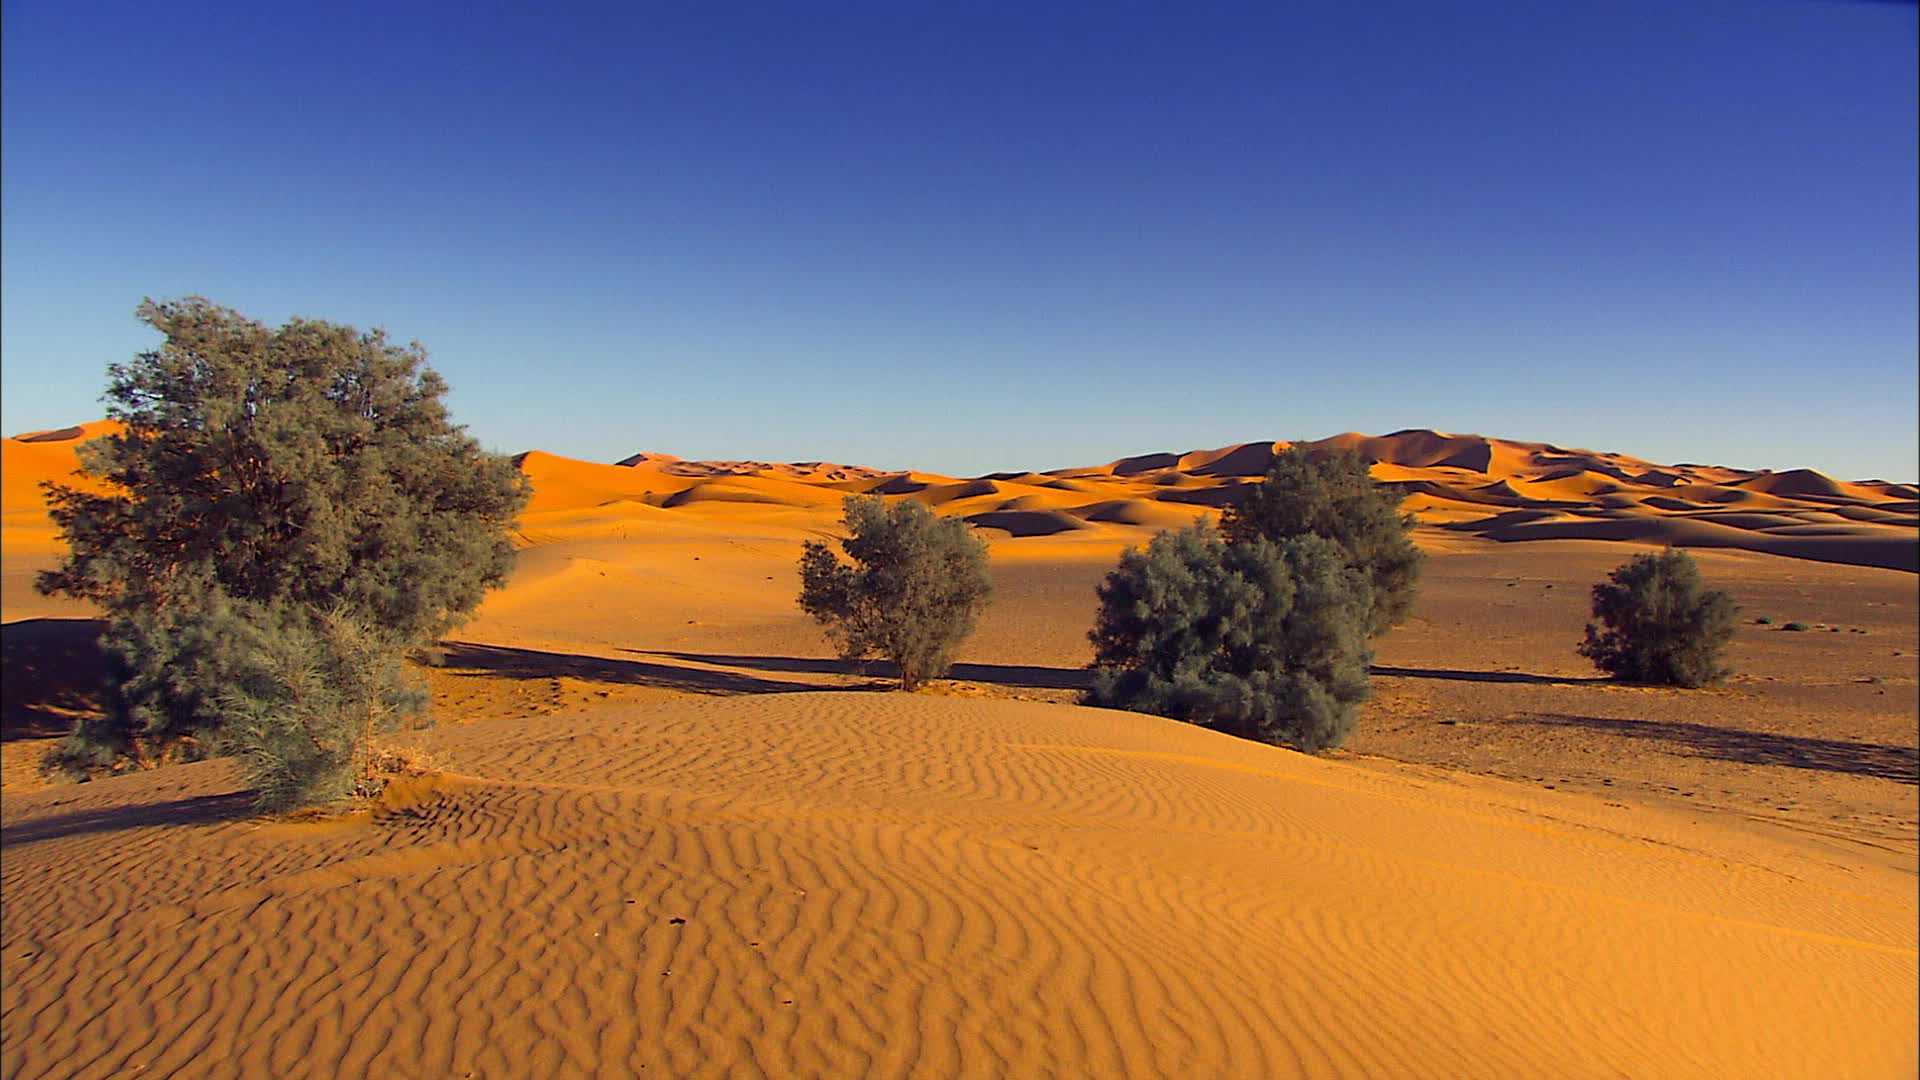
point(861, 884)
point(1464, 482)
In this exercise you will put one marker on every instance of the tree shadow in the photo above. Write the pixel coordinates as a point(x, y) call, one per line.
point(198, 810)
point(1456, 675)
point(52, 670)
point(512, 663)
point(1025, 676)
point(1897, 763)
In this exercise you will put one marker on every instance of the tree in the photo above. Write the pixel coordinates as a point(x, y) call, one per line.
point(1331, 495)
point(914, 588)
point(1662, 625)
point(311, 467)
point(1259, 639)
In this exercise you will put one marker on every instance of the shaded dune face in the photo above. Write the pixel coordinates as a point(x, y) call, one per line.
point(841, 884)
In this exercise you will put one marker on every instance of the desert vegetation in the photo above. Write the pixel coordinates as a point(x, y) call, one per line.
point(1260, 639)
point(1659, 623)
point(1333, 496)
point(282, 517)
point(912, 591)
point(1262, 631)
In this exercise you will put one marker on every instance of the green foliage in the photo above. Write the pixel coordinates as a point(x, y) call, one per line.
point(912, 593)
point(1796, 627)
point(1661, 624)
point(308, 467)
point(1260, 639)
point(309, 695)
point(1763, 620)
point(1333, 496)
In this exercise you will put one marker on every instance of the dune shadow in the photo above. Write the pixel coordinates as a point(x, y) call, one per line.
point(1016, 675)
point(514, 663)
point(1898, 763)
point(1457, 675)
point(198, 810)
point(50, 671)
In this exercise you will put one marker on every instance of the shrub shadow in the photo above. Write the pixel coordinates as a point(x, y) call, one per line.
point(198, 810)
point(516, 663)
point(1457, 675)
point(1029, 677)
point(1897, 763)
point(51, 671)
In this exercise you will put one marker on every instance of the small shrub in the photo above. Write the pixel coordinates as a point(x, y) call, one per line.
point(912, 593)
point(1796, 627)
point(1763, 620)
point(1661, 625)
point(1262, 640)
point(1333, 496)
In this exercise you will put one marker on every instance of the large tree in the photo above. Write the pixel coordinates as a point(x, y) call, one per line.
point(311, 465)
point(1333, 496)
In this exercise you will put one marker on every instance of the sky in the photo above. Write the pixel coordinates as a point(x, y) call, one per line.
point(981, 237)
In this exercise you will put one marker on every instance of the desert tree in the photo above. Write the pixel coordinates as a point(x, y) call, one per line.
point(1265, 640)
point(1332, 495)
point(911, 592)
point(306, 469)
point(1659, 623)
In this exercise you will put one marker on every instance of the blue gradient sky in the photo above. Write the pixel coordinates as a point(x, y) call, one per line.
point(976, 240)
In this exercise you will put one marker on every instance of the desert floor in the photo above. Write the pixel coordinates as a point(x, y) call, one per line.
point(672, 836)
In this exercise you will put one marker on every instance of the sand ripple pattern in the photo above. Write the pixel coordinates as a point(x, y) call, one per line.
point(868, 884)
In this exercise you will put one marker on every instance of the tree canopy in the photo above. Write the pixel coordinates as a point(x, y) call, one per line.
point(311, 466)
point(1333, 496)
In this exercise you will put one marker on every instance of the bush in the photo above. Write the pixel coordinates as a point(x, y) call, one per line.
point(1262, 640)
point(312, 467)
point(915, 587)
point(1763, 620)
point(1661, 624)
point(1333, 496)
point(312, 691)
point(1796, 627)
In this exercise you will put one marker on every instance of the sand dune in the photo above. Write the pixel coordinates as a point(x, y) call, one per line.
point(893, 885)
point(1467, 483)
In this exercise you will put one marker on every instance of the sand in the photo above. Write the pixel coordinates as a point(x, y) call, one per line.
point(892, 885)
point(1512, 869)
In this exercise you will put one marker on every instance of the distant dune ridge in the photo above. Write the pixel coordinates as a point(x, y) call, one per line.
point(1499, 489)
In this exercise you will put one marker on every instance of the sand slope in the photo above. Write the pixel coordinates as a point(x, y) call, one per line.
point(891, 885)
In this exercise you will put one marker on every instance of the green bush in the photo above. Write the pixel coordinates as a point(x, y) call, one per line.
point(310, 468)
point(1661, 624)
point(1763, 620)
point(912, 593)
point(1796, 627)
point(1259, 639)
point(1333, 496)
point(311, 692)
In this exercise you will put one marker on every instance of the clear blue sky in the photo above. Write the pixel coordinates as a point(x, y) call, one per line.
point(962, 240)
